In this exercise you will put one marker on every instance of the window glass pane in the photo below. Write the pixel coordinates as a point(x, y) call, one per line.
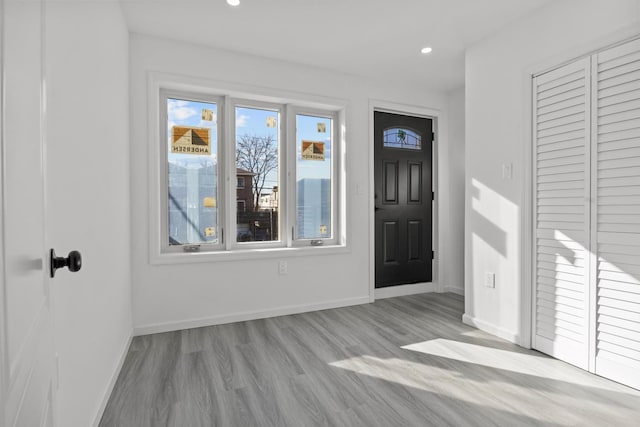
point(192, 171)
point(313, 171)
point(257, 168)
point(402, 138)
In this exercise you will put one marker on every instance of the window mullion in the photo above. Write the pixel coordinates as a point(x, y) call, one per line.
point(282, 176)
point(290, 178)
point(229, 162)
point(338, 190)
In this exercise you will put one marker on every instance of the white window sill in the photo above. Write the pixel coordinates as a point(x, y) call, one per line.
point(245, 254)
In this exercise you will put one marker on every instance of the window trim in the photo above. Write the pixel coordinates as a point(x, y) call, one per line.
point(203, 88)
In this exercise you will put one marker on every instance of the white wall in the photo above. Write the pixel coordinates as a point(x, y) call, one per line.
point(173, 296)
point(88, 198)
point(498, 72)
point(453, 219)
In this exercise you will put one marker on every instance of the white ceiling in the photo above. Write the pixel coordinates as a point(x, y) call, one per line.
point(376, 39)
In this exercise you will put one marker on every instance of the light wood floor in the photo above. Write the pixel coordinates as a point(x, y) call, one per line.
point(405, 361)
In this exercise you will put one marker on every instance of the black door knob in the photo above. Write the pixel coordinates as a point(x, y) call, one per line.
point(73, 261)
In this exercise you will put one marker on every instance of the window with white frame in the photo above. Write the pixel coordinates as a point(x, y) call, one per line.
point(314, 172)
point(246, 174)
point(257, 153)
point(191, 153)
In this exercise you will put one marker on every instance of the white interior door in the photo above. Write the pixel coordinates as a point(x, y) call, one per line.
point(562, 184)
point(616, 125)
point(27, 339)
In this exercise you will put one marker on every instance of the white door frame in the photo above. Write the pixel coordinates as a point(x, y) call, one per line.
point(440, 135)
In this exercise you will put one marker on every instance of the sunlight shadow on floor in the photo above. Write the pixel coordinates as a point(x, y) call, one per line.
point(490, 388)
point(441, 382)
point(528, 364)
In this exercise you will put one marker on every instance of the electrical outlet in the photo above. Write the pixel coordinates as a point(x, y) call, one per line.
point(282, 268)
point(489, 280)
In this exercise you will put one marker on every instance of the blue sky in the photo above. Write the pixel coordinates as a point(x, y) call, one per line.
point(252, 121)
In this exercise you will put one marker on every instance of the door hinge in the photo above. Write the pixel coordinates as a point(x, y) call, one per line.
point(433, 195)
point(433, 136)
point(433, 255)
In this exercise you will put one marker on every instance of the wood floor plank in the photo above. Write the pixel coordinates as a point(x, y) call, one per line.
point(406, 361)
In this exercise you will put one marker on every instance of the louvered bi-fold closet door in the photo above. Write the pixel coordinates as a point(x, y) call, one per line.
point(617, 162)
point(562, 184)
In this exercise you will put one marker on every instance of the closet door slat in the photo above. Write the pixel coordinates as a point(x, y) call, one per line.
point(562, 145)
point(618, 220)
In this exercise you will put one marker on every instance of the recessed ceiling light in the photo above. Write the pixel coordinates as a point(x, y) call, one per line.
point(426, 50)
point(233, 2)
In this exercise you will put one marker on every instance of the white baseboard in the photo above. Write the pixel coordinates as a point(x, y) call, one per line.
point(112, 382)
point(490, 328)
point(241, 317)
point(402, 290)
point(454, 290)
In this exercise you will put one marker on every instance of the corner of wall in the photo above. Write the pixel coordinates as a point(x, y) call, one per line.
point(490, 328)
point(454, 189)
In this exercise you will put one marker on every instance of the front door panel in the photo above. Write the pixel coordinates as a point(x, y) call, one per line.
point(403, 157)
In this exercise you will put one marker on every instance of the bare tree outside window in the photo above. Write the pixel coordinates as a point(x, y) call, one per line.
point(259, 155)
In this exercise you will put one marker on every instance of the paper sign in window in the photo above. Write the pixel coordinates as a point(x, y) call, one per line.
point(271, 122)
point(312, 150)
point(209, 202)
point(207, 115)
point(191, 140)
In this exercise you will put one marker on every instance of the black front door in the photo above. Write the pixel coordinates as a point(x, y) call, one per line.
point(403, 199)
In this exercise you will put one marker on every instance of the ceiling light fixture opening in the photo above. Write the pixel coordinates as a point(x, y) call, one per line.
point(426, 50)
point(233, 2)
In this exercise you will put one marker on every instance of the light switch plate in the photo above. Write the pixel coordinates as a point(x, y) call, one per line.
point(489, 280)
point(507, 171)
